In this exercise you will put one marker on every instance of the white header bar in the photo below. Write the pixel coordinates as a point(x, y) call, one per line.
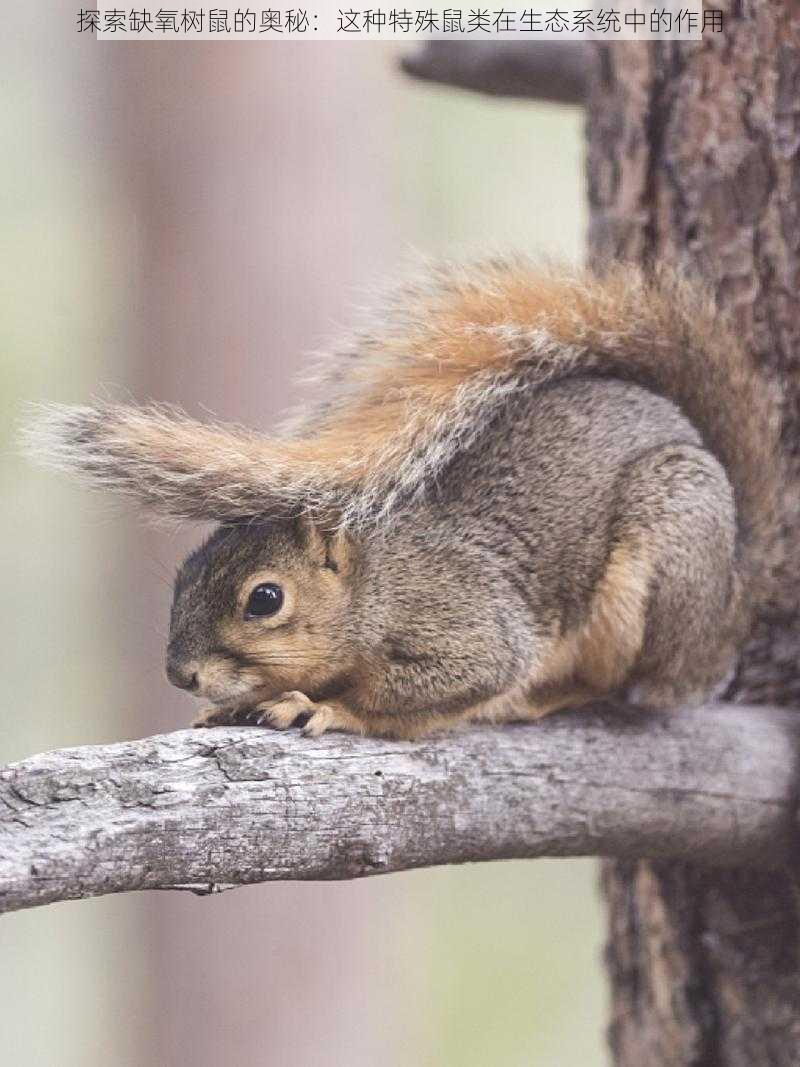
point(626, 20)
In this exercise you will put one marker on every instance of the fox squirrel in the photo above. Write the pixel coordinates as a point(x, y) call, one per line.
point(523, 489)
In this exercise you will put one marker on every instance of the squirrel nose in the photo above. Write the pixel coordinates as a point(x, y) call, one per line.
point(183, 675)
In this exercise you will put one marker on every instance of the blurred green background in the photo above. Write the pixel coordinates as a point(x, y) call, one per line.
point(187, 222)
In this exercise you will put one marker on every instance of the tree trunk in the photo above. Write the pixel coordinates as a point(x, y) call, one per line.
point(694, 157)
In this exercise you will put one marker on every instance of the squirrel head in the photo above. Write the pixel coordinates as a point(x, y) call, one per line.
point(259, 609)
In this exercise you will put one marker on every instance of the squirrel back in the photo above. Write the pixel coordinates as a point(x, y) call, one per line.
point(457, 345)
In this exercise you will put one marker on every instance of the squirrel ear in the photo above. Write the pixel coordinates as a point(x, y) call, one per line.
point(311, 539)
point(327, 547)
point(174, 465)
point(340, 552)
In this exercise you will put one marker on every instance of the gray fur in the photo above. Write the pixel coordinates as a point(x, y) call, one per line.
point(454, 597)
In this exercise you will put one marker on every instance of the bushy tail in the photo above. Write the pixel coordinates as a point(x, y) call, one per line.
point(401, 399)
point(175, 465)
point(453, 348)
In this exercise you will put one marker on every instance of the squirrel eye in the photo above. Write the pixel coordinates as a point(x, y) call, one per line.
point(265, 599)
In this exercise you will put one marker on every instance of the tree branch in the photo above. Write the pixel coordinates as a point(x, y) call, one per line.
point(536, 70)
point(210, 809)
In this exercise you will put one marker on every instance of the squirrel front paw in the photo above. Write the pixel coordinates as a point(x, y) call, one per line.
point(285, 710)
point(279, 713)
point(282, 712)
point(221, 715)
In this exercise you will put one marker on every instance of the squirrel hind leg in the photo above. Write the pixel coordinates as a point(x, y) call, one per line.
point(528, 704)
point(679, 504)
point(662, 621)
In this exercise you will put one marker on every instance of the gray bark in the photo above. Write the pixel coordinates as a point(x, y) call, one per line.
point(210, 809)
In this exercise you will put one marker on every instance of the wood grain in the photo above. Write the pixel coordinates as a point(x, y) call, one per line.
point(212, 809)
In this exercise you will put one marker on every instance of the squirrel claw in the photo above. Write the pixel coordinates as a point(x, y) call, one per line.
point(275, 718)
point(282, 712)
point(225, 715)
point(213, 716)
point(315, 719)
point(321, 719)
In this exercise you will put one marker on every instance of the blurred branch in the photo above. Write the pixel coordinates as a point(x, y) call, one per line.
point(537, 70)
point(211, 809)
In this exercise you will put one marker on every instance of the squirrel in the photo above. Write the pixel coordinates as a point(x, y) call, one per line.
point(521, 489)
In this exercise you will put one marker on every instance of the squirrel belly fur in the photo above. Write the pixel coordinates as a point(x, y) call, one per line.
point(520, 489)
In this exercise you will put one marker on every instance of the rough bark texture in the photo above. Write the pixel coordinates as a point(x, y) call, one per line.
point(208, 809)
point(693, 156)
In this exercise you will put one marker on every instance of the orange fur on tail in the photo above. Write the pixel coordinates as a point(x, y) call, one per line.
point(403, 398)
